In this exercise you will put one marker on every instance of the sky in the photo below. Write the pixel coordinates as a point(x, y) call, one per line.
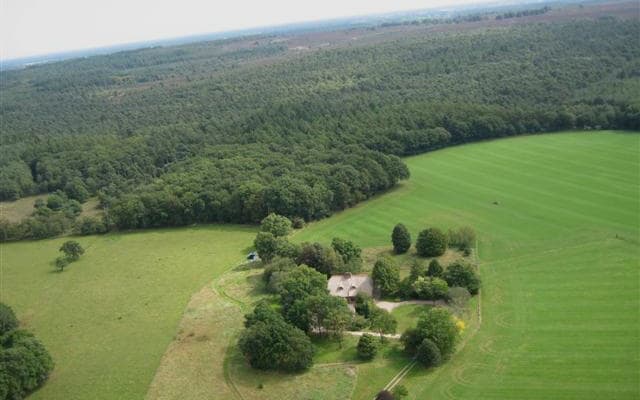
point(35, 27)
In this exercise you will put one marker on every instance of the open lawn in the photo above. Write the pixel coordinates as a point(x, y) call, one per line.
point(559, 261)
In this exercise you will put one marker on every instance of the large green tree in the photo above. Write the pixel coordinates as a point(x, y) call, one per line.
point(401, 239)
point(431, 242)
point(386, 276)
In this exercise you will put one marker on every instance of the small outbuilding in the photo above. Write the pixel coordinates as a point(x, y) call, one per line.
point(348, 286)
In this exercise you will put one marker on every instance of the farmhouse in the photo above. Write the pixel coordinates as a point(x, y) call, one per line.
point(348, 286)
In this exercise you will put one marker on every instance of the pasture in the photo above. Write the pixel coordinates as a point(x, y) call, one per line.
point(109, 317)
point(557, 218)
point(559, 259)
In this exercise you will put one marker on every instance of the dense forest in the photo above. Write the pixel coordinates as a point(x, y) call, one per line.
point(229, 131)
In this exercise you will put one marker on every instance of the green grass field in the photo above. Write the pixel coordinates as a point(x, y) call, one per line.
point(108, 318)
point(559, 253)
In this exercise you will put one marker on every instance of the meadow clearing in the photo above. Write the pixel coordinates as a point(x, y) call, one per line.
point(557, 219)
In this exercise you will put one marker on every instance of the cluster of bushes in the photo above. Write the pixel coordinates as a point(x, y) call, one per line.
point(430, 282)
point(434, 338)
point(297, 274)
point(56, 215)
point(432, 242)
point(24, 362)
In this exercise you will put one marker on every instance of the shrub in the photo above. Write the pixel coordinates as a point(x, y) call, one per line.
point(418, 269)
point(90, 226)
point(386, 276)
point(278, 264)
point(400, 392)
point(437, 325)
point(382, 321)
point(297, 223)
point(384, 395)
point(364, 304)
point(458, 296)
point(8, 320)
point(321, 258)
point(462, 274)
point(430, 288)
point(286, 249)
point(275, 224)
point(367, 347)
point(431, 243)
point(464, 238)
point(350, 253)
point(401, 239)
point(435, 269)
point(428, 354)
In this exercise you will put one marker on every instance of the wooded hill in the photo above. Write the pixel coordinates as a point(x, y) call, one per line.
point(229, 131)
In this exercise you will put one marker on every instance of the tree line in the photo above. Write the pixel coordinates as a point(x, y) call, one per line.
point(227, 132)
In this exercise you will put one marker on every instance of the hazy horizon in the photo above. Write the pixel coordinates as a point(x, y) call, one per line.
point(75, 25)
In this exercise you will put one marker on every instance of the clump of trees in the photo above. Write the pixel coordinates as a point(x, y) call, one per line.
point(71, 251)
point(268, 342)
point(25, 364)
point(298, 276)
point(434, 337)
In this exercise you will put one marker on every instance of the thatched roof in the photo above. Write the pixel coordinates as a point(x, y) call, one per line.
point(347, 285)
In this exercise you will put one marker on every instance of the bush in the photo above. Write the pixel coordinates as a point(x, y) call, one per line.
point(428, 354)
point(464, 275)
point(458, 297)
point(286, 249)
point(297, 223)
point(367, 347)
point(401, 239)
point(430, 288)
point(386, 276)
point(275, 224)
point(400, 392)
point(90, 226)
point(350, 253)
point(278, 265)
point(437, 325)
point(435, 269)
point(464, 238)
point(418, 269)
point(431, 243)
point(320, 258)
point(364, 304)
point(8, 320)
